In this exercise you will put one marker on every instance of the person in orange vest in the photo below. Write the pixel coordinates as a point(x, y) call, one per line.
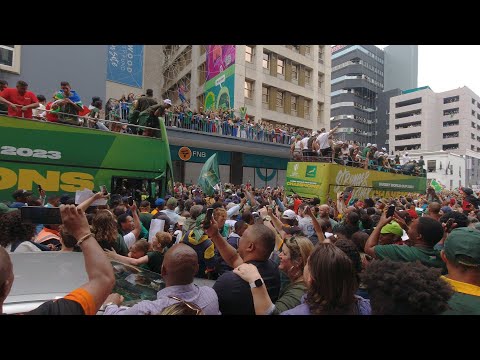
point(50, 236)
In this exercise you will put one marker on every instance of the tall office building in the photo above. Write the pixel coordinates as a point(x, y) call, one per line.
point(279, 84)
point(360, 75)
point(421, 119)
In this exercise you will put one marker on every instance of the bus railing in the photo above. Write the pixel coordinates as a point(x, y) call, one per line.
point(398, 169)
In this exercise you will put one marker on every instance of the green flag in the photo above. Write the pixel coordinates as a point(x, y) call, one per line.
point(436, 186)
point(209, 175)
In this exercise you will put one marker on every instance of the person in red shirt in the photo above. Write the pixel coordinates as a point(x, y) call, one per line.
point(20, 101)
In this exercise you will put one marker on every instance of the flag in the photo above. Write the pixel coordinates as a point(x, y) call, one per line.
point(436, 186)
point(209, 175)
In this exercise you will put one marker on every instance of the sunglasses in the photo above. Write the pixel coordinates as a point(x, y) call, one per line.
point(190, 305)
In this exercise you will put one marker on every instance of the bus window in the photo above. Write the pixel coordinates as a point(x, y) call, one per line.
point(138, 188)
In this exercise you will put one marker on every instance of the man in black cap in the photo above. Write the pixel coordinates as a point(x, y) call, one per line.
point(461, 254)
point(21, 198)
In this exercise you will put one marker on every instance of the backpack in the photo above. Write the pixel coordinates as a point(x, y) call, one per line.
point(310, 143)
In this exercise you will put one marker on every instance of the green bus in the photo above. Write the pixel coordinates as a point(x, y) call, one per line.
point(66, 158)
point(324, 180)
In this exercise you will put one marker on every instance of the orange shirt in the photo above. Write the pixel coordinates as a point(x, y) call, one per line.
point(12, 95)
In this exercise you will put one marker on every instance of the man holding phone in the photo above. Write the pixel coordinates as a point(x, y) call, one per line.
point(85, 300)
point(21, 198)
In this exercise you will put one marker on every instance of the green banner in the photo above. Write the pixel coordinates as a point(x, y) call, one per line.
point(209, 175)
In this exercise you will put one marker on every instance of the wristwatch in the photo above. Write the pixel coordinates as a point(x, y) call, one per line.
point(257, 283)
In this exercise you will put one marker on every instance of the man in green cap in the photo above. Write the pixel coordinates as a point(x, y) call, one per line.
point(391, 234)
point(461, 254)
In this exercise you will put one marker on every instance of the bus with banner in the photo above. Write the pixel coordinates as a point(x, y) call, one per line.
point(65, 158)
point(326, 180)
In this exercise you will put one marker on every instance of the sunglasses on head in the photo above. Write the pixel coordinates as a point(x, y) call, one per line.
point(190, 305)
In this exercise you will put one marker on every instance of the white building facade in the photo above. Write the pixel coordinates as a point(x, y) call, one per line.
point(421, 119)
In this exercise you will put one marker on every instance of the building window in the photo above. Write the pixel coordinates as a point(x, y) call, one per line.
point(431, 165)
point(248, 89)
point(472, 136)
point(266, 61)
point(308, 50)
point(295, 72)
point(320, 80)
point(279, 99)
point(296, 48)
point(308, 77)
point(306, 107)
point(10, 58)
point(472, 147)
point(294, 105)
point(473, 101)
point(281, 66)
point(249, 54)
point(265, 95)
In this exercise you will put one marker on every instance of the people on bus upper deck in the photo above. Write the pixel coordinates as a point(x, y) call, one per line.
point(144, 102)
point(39, 112)
point(68, 105)
point(20, 101)
point(21, 198)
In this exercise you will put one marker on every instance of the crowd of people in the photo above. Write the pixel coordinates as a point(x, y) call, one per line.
point(268, 253)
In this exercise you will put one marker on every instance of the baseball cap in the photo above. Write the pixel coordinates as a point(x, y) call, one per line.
point(289, 214)
point(5, 209)
point(446, 209)
point(392, 228)
point(463, 241)
point(172, 201)
point(369, 144)
point(21, 192)
point(159, 202)
point(167, 101)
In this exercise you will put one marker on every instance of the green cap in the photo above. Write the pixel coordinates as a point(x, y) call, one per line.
point(172, 201)
point(5, 209)
point(463, 241)
point(392, 228)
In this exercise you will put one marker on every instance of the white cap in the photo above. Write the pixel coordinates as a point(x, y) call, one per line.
point(167, 101)
point(289, 214)
point(369, 144)
point(384, 149)
point(374, 145)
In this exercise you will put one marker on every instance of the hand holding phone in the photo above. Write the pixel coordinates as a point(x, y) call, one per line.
point(208, 218)
point(390, 211)
point(103, 189)
point(449, 225)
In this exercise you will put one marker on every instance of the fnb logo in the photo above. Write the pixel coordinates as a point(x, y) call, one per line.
point(311, 171)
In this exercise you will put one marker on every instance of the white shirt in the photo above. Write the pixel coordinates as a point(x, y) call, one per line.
point(25, 246)
point(405, 159)
point(322, 140)
point(129, 239)
point(306, 225)
point(304, 143)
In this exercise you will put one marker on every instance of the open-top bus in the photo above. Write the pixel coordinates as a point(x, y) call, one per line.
point(65, 158)
point(324, 180)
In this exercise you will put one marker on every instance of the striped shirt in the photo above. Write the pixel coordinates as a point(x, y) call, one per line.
point(202, 296)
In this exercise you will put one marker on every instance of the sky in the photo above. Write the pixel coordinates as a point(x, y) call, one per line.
point(447, 67)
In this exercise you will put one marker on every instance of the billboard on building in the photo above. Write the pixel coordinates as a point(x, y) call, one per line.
point(125, 64)
point(219, 91)
point(219, 58)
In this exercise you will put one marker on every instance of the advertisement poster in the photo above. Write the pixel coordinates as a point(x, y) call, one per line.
point(325, 180)
point(219, 58)
point(219, 91)
point(125, 64)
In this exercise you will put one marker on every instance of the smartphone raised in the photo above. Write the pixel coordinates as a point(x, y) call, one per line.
point(40, 215)
point(103, 189)
point(39, 188)
point(130, 200)
point(208, 218)
point(390, 211)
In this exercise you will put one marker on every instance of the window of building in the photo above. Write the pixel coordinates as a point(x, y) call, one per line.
point(249, 54)
point(266, 60)
point(473, 101)
point(473, 125)
point(10, 58)
point(308, 77)
point(306, 107)
point(472, 147)
point(320, 80)
point(308, 50)
point(265, 95)
point(473, 112)
point(296, 48)
point(294, 105)
point(431, 165)
point(279, 99)
point(472, 136)
point(281, 66)
point(294, 72)
point(248, 89)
